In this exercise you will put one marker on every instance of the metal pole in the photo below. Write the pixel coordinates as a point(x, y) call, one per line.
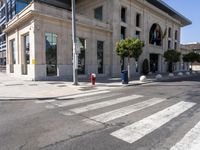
point(75, 55)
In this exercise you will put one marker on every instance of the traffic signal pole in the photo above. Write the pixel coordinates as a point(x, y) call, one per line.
point(75, 53)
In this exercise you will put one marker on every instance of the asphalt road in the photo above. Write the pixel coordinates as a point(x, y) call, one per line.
point(156, 116)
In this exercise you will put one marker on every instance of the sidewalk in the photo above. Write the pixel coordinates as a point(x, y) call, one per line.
point(12, 88)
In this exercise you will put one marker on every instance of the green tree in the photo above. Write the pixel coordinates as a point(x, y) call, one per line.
point(191, 57)
point(171, 57)
point(145, 67)
point(130, 48)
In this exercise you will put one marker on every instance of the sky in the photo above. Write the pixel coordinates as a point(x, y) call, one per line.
point(191, 10)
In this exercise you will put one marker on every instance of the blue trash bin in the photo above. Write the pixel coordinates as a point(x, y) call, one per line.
point(124, 77)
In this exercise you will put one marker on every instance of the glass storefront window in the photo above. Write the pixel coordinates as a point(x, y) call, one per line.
point(100, 56)
point(13, 52)
point(27, 49)
point(81, 57)
point(51, 54)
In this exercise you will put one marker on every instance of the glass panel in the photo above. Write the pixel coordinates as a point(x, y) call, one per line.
point(137, 20)
point(155, 35)
point(123, 32)
point(13, 49)
point(21, 4)
point(26, 54)
point(81, 57)
point(51, 54)
point(27, 49)
point(98, 13)
point(123, 14)
point(100, 56)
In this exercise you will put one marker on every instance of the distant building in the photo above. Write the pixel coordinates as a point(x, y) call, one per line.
point(2, 35)
point(39, 45)
point(192, 47)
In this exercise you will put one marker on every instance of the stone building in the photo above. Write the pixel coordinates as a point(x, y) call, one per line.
point(191, 47)
point(39, 45)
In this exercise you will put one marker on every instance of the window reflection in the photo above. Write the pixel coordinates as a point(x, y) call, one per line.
point(51, 54)
point(155, 35)
point(100, 56)
point(81, 57)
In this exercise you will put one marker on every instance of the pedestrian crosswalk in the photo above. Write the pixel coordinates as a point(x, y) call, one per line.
point(104, 104)
point(108, 116)
point(191, 141)
point(141, 128)
point(131, 132)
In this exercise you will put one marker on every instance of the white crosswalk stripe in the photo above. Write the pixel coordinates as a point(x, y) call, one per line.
point(191, 141)
point(84, 94)
point(84, 100)
point(104, 104)
point(147, 125)
point(61, 104)
point(108, 116)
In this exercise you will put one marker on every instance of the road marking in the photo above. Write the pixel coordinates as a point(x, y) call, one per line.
point(104, 104)
point(84, 100)
point(191, 141)
point(84, 94)
point(44, 101)
point(108, 116)
point(147, 125)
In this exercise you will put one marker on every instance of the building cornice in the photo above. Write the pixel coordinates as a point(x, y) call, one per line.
point(170, 11)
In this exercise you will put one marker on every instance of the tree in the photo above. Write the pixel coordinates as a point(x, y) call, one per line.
point(191, 57)
point(171, 56)
point(145, 67)
point(130, 48)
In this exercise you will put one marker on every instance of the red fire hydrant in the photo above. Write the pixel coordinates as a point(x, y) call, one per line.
point(93, 78)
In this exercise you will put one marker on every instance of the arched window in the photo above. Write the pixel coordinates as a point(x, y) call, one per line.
point(155, 35)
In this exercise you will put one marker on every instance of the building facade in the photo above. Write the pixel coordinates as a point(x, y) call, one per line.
point(8, 9)
point(2, 35)
point(39, 45)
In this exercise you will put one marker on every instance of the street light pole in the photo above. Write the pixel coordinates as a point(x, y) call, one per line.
point(75, 54)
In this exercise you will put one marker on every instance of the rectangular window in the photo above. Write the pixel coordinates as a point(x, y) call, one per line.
point(21, 4)
point(175, 45)
point(51, 54)
point(98, 13)
point(27, 49)
point(138, 16)
point(176, 35)
point(13, 52)
point(137, 33)
point(100, 45)
point(123, 32)
point(123, 14)
point(169, 44)
point(81, 57)
point(169, 32)
point(26, 54)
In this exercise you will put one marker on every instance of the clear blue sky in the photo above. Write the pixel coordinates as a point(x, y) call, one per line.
point(191, 10)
